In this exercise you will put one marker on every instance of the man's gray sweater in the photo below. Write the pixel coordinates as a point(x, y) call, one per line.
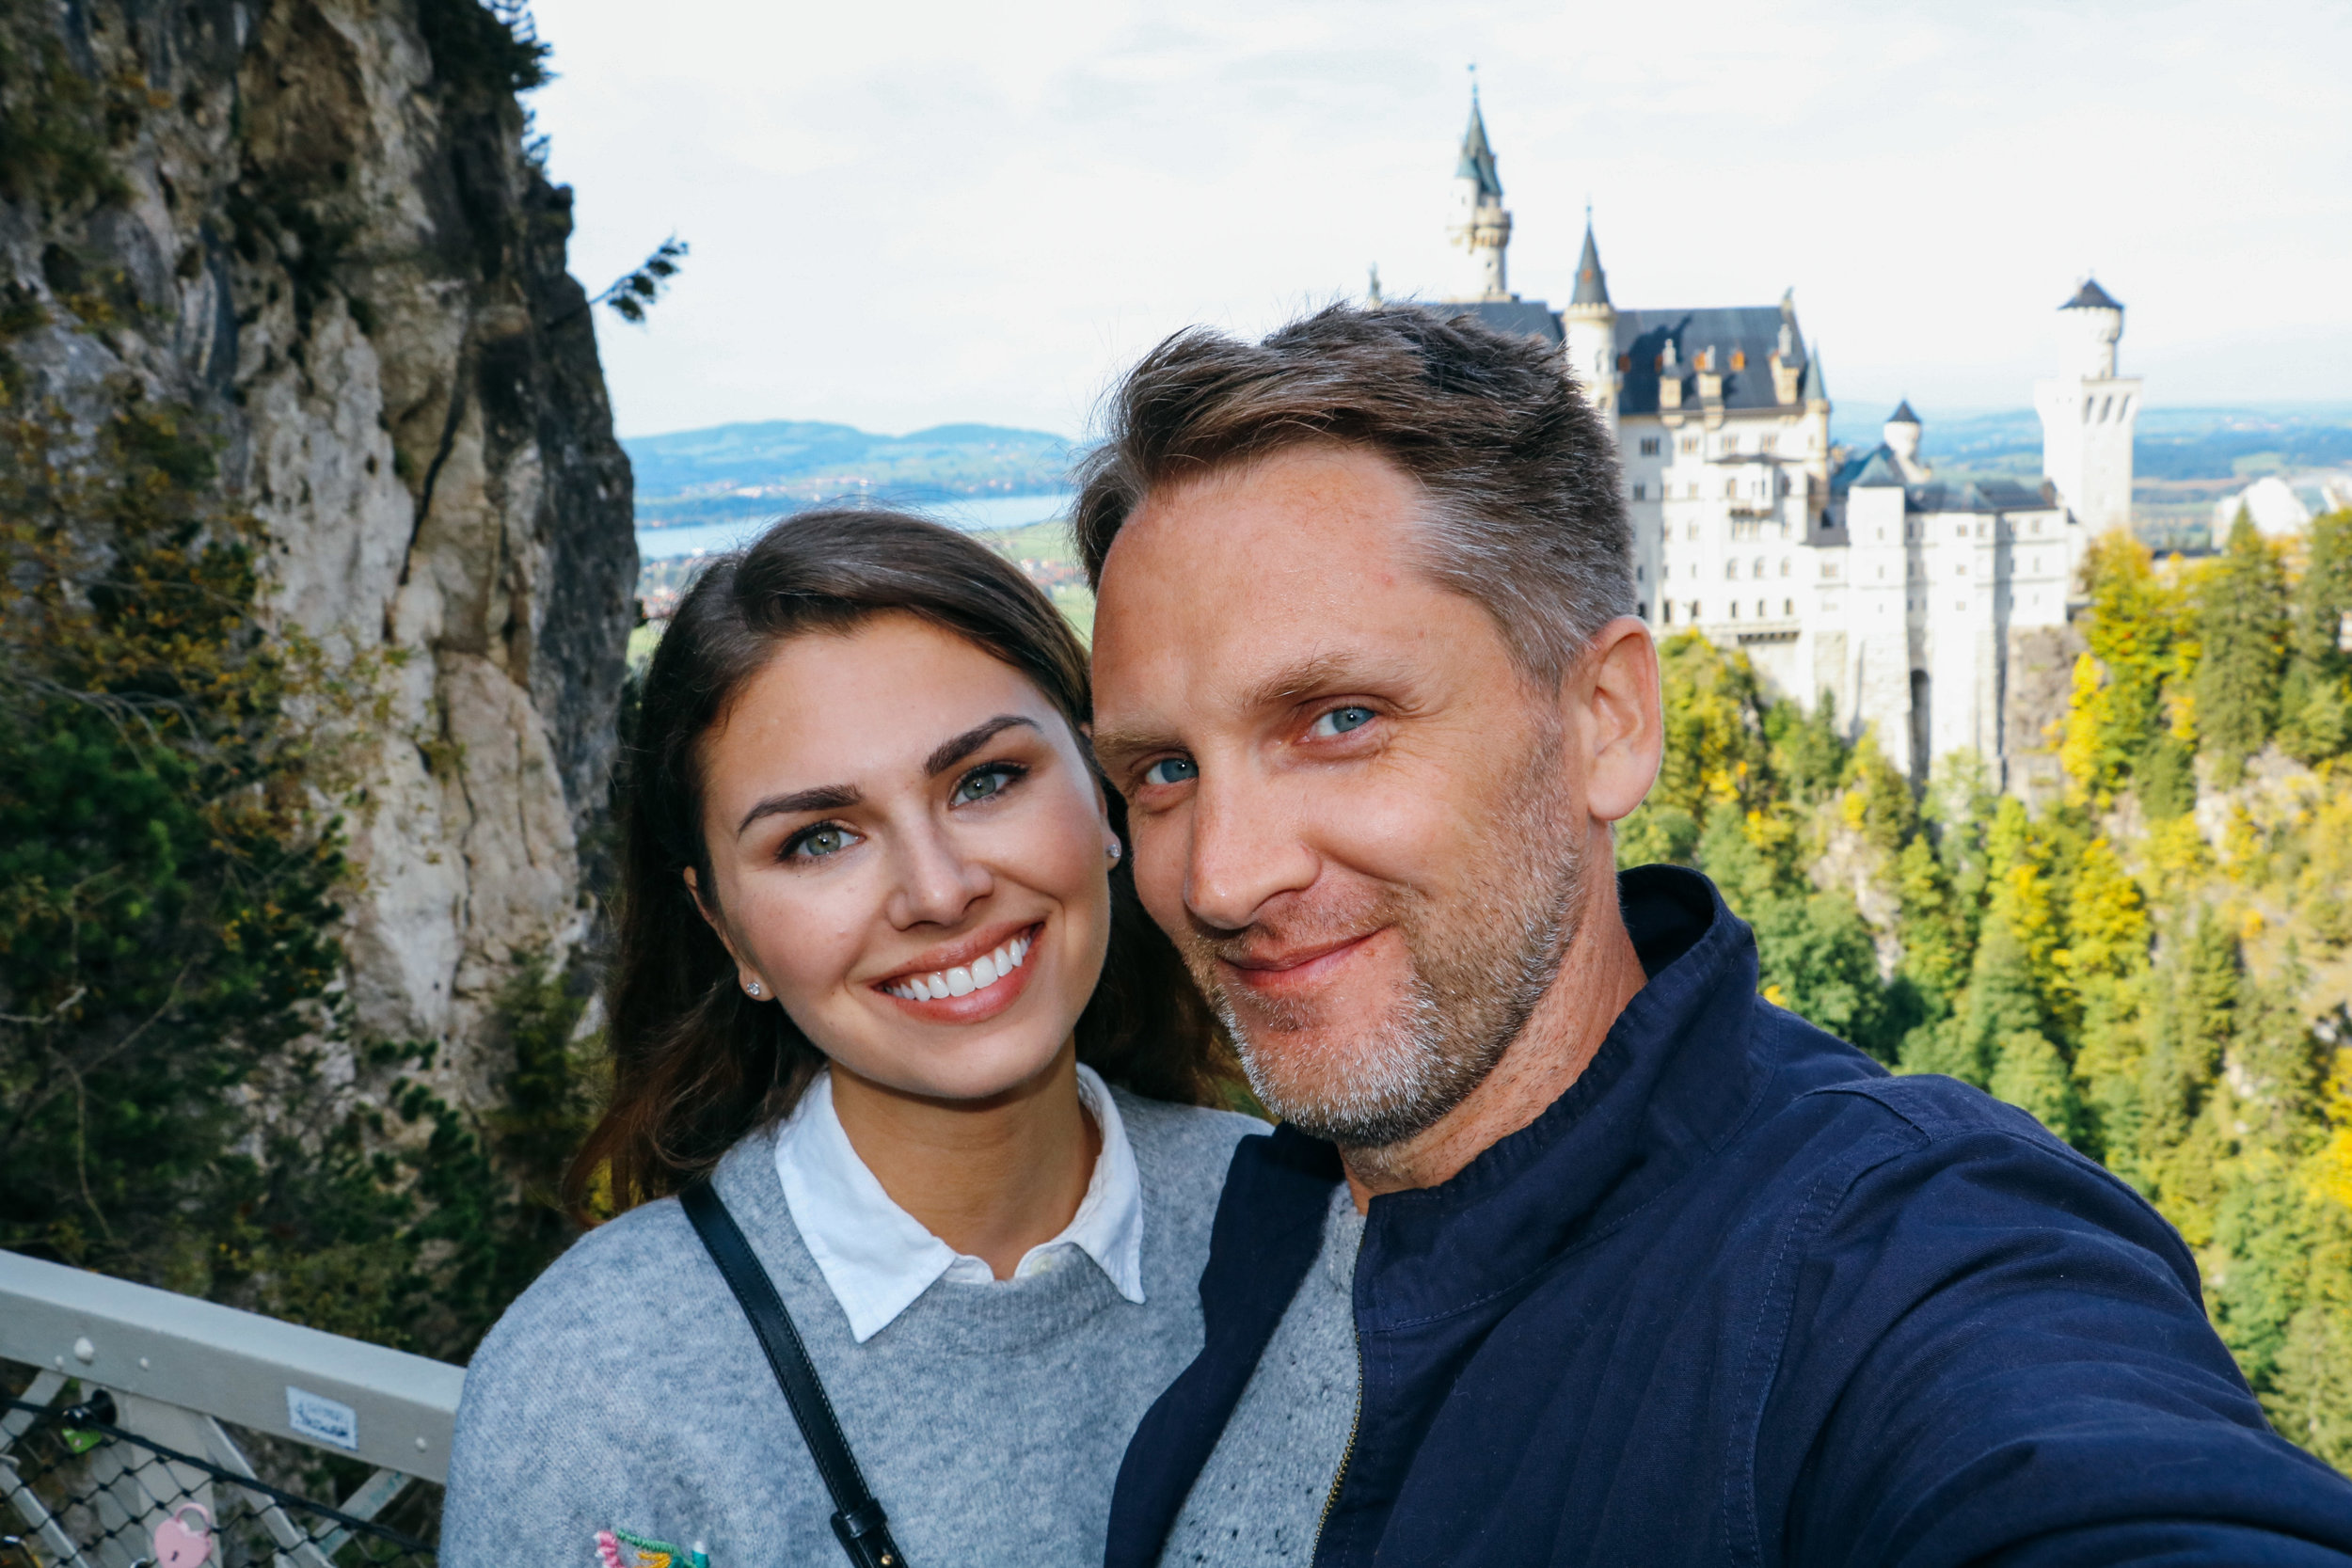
point(625, 1392)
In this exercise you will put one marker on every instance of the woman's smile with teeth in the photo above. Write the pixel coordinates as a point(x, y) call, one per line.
point(984, 971)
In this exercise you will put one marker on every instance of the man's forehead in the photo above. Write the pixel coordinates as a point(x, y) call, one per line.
point(1314, 538)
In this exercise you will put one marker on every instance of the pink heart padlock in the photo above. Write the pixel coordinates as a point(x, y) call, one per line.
point(178, 1545)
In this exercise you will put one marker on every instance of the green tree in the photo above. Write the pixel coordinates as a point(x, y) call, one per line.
point(2315, 700)
point(2242, 627)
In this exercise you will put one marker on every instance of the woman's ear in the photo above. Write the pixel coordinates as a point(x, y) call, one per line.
point(710, 917)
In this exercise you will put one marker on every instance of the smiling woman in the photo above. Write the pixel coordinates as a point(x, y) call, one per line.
point(884, 983)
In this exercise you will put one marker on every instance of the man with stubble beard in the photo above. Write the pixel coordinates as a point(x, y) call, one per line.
point(1570, 1249)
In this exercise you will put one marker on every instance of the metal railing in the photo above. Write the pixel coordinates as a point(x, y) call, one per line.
point(130, 1418)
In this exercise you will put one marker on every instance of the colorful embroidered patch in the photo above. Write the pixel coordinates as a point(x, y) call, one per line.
point(617, 1549)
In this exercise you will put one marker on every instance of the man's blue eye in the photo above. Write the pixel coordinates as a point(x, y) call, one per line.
point(1342, 720)
point(1168, 771)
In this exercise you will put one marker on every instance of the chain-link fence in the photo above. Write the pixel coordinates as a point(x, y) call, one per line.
point(81, 1488)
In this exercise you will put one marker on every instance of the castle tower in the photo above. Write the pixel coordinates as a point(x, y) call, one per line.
point(1901, 432)
point(1590, 326)
point(1479, 224)
point(2089, 413)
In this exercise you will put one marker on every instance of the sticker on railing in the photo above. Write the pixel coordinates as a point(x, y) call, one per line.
point(321, 1420)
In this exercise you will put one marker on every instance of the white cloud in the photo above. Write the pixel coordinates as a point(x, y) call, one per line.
point(914, 214)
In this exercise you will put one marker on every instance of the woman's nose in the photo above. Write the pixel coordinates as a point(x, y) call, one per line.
point(937, 882)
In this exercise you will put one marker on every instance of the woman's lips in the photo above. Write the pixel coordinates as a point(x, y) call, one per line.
point(966, 993)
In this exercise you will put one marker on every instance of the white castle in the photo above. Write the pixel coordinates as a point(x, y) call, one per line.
point(1935, 611)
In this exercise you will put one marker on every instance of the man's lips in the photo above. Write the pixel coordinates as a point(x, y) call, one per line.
point(1295, 969)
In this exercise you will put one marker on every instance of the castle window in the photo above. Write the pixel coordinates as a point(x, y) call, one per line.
point(1783, 565)
point(1694, 489)
point(1642, 610)
point(1640, 491)
point(1788, 607)
point(1666, 611)
point(1738, 359)
point(1960, 570)
point(1759, 568)
point(1731, 442)
point(1731, 488)
point(1694, 609)
point(1649, 446)
point(1694, 527)
point(1690, 443)
point(1765, 443)
point(1760, 611)
point(1637, 574)
point(1735, 609)
point(1731, 570)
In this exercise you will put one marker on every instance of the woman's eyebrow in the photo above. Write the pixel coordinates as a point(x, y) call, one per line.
point(956, 747)
point(822, 797)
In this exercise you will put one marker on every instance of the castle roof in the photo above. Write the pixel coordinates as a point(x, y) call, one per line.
point(1881, 469)
point(1902, 414)
point(2092, 297)
point(1478, 159)
point(1744, 338)
point(1816, 383)
point(1873, 471)
point(1591, 284)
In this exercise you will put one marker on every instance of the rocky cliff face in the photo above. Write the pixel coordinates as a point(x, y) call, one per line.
point(315, 223)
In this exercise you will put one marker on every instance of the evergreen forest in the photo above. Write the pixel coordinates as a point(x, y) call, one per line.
point(2153, 957)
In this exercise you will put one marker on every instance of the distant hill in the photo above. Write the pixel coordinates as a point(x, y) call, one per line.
point(735, 470)
point(2171, 444)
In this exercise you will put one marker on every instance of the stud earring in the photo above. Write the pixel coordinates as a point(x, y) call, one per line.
point(1114, 849)
point(752, 988)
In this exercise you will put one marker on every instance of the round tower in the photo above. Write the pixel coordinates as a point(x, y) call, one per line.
point(2092, 324)
point(1901, 432)
point(1590, 326)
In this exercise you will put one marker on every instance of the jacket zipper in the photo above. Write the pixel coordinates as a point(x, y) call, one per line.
point(1346, 1454)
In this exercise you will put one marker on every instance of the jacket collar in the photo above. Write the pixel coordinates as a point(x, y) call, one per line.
point(1673, 1078)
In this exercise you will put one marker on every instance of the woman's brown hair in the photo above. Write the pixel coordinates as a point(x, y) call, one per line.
point(696, 1063)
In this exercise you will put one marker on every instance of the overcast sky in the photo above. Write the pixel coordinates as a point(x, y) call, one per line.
point(905, 215)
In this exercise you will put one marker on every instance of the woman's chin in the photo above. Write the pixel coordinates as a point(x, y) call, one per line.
point(974, 1074)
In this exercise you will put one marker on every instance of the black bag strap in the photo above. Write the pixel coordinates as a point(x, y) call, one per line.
point(858, 1518)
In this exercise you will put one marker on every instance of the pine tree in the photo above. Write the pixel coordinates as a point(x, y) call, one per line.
point(2315, 702)
point(2242, 626)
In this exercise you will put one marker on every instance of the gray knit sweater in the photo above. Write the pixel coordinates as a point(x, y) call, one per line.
point(625, 1391)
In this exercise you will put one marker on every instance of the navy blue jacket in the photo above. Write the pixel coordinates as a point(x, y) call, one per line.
point(1738, 1296)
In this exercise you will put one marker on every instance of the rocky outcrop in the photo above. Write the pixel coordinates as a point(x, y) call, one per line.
point(316, 223)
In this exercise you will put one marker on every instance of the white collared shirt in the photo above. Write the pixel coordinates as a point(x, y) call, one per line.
point(877, 1258)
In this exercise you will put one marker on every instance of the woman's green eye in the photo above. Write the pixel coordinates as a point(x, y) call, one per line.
point(1171, 770)
point(1342, 720)
point(818, 841)
point(980, 786)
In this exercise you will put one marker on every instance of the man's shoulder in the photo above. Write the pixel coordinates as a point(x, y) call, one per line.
point(1172, 1139)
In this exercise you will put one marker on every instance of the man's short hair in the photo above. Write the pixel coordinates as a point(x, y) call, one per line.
point(1526, 515)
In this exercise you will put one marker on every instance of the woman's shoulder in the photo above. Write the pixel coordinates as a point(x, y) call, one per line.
point(610, 1300)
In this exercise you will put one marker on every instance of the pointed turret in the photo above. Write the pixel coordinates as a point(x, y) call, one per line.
point(1591, 284)
point(1479, 224)
point(1590, 327)
point(1478, 158)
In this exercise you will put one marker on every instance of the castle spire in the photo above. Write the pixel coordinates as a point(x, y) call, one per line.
point(1479, 224)
point(1478, 158)
point(1591, 284)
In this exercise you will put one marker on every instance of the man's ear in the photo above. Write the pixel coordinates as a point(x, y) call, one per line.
point(1616, 686)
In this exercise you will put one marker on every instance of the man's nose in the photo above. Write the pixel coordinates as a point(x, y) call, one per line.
point(937, 882)
point(1246, 848)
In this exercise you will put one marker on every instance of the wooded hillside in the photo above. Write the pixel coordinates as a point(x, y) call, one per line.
point(2156, 962)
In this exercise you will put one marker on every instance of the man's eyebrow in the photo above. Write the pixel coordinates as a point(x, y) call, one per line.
point(956, 747)
point(822, 797)
point(1323, 673)
point(1116, 748)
